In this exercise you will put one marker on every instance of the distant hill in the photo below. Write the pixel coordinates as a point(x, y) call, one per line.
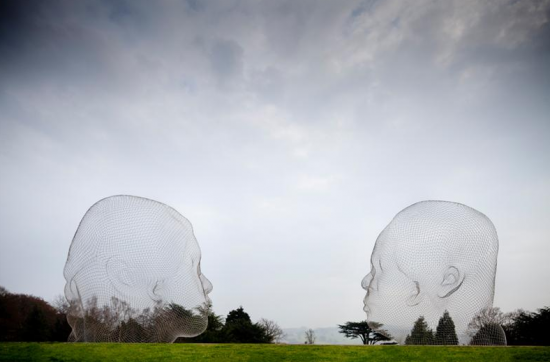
point(327, 335)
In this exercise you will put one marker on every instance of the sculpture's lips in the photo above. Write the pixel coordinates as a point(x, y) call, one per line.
point(366, 309)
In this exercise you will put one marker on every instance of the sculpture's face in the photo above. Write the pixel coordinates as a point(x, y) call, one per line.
point(141, 256)
point(392, 297)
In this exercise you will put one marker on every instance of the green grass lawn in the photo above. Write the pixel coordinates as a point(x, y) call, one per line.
point(262, 352)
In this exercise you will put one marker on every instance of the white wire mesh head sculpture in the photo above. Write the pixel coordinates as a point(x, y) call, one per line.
point(133, 274)
point(434, 257)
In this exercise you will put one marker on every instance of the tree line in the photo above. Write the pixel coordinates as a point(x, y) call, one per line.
point(489, 327)
point(29, 318)
point(523, 328)
point(26, 318)
point(237, 328)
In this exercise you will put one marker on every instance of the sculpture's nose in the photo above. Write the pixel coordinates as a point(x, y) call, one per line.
point(365, 283)
point(206, 285)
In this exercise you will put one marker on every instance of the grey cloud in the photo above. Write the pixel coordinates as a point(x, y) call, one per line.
point(43, 43)
point(226, 58)
point(268, 83)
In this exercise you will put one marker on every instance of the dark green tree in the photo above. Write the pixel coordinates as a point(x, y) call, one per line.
point(25, 318)
point(530, 328)
point(36, 328)
point(61, 329)
point(238, 316)
point(445, 333)
point(369, 332)
point(240, 329)
point(213, 332)
point(420, 333)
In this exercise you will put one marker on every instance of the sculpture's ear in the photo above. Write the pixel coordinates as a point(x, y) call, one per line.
point(452, 281)
point(121, 276)
point(155, 290)
point(416, 295)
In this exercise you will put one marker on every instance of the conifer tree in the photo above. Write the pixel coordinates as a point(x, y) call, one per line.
point(445, 332)
point(420, 334)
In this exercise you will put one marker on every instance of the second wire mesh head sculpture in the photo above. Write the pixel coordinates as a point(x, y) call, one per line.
point(432, 270)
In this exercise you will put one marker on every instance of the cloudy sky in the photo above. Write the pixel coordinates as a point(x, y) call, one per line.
point(288, 132)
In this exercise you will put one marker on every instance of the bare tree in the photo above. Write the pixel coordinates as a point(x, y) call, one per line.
point(489, 316)
point(272, 330)
point(310, 336)
point(60, 304)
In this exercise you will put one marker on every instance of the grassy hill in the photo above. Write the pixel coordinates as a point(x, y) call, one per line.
point(241, 352)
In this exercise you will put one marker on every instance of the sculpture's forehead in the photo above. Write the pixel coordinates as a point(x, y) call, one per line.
point(429, 235)
point(134, 211)
point(134, 216)
point(433, 223)
point(137, 229)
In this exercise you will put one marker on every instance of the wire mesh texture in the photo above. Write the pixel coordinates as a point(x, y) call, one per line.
point(433, 274)
point(133, 274)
